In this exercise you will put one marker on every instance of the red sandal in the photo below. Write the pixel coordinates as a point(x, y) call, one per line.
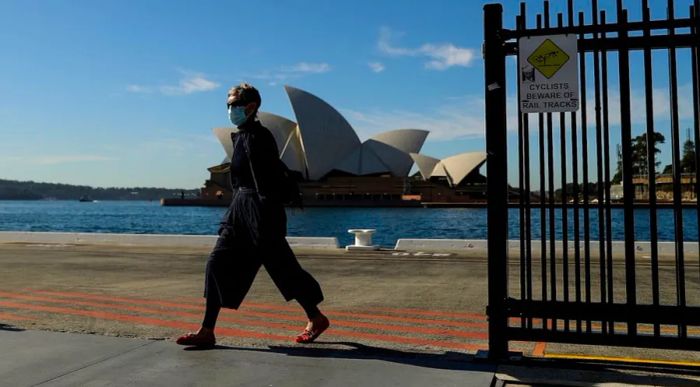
point(197, 340)
point(309, 335)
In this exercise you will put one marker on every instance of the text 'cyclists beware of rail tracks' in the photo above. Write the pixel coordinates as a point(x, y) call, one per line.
point(548, 74)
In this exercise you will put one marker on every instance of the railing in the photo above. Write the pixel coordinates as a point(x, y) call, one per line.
point(584, 296)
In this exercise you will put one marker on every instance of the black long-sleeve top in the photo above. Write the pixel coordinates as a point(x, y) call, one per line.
point(255, 141)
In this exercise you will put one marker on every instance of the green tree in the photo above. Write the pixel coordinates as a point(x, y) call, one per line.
point(617, 178)
point(688, 160)
point(639, 153)
point(639, 156)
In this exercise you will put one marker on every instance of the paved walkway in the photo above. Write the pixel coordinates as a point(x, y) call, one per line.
point(40, 358)
point(396, 320)
point(402, 303)
point(254, 323)
point(31, 358)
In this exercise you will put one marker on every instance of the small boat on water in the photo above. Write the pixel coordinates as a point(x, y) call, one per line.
point(85, 199)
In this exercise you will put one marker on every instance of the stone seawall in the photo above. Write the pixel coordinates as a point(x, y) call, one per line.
point(428, 245)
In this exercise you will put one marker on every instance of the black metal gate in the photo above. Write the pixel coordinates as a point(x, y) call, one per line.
point(574, 282)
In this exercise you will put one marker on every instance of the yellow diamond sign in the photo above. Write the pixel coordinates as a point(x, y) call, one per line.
point(548, 58)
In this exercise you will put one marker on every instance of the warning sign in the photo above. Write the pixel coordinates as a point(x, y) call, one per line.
point(548, 74)
point(548, 58)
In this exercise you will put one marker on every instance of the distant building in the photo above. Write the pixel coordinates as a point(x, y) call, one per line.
point(664, 187)
point(617, 192)
point(336, 168)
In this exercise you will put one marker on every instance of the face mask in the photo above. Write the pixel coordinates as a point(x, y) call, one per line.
point(237, 115)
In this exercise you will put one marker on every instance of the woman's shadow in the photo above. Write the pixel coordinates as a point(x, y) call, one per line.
point(458, 361)
point(447, 360)
point(10, 328)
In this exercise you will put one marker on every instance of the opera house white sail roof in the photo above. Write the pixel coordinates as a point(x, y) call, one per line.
point(322, 141)
point(455, 168)
point(326, 137)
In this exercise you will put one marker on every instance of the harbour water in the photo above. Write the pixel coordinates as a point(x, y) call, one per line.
point(143, 217)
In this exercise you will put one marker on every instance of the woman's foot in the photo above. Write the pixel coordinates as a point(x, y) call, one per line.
point(313, 329)
point(204, 338)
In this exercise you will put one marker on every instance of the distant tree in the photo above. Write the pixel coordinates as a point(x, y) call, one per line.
point(639, 156)
point(617, 178)
point(639, 153)
point(30, 190)
point(688, 160)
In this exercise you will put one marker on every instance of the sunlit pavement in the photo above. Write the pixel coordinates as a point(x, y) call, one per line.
point(419, 314)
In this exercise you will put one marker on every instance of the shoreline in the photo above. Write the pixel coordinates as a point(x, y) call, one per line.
point(196, 202)
point(403, 245)
point(205, 202)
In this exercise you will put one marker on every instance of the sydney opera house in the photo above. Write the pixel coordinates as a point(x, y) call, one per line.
point(336, 168)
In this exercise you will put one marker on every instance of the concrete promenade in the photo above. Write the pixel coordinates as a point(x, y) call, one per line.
point(107, 314)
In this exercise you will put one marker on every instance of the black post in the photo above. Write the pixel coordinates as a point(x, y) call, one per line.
point(497, 178)
point(676, 165)
point(628, 188)
point(651, 165)
point(695, 14)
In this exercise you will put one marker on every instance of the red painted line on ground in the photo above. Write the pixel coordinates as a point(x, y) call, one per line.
point(420, 312)
point(539, 349)
point(249, 322)
point(427, 312)
point(166, 304)
point(95, 304)
point(14, 317)
point(333, 331)
point(143, 301)
point(404, 328)
point(431, 322)
point(479, 323)
point(129, 308)
point(141, 320)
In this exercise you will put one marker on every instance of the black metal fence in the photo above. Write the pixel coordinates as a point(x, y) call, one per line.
point(573, 284)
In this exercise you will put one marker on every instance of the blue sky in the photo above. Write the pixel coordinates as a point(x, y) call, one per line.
point(125, 93)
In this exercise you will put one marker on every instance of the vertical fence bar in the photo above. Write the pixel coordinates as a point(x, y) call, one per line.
point(695, 58)
point(552, 217)
point(584, 167)
point(675, 150)
point(550, 190)
point(626, 139)
point(606, 174)
point(521, 182)
point(651, 164)
point(497, 181)
point(543, 212)
point(564, 210)
point(575, 193)
point(599, 162)
point(528, 211)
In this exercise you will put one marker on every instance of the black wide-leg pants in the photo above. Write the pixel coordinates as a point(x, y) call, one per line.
point(253, 234)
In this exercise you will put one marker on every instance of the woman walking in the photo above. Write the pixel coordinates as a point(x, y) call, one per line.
point(253, 230)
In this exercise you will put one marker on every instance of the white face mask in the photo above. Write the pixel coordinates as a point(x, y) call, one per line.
point(237, 115)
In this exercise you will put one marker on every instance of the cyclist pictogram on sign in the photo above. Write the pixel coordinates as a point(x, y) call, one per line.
point(548, 58)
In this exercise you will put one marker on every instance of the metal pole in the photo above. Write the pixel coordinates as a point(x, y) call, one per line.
point(695, 12)
point(651, 165)
point(497, 179)
point(676, 165)
point(628, 188)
